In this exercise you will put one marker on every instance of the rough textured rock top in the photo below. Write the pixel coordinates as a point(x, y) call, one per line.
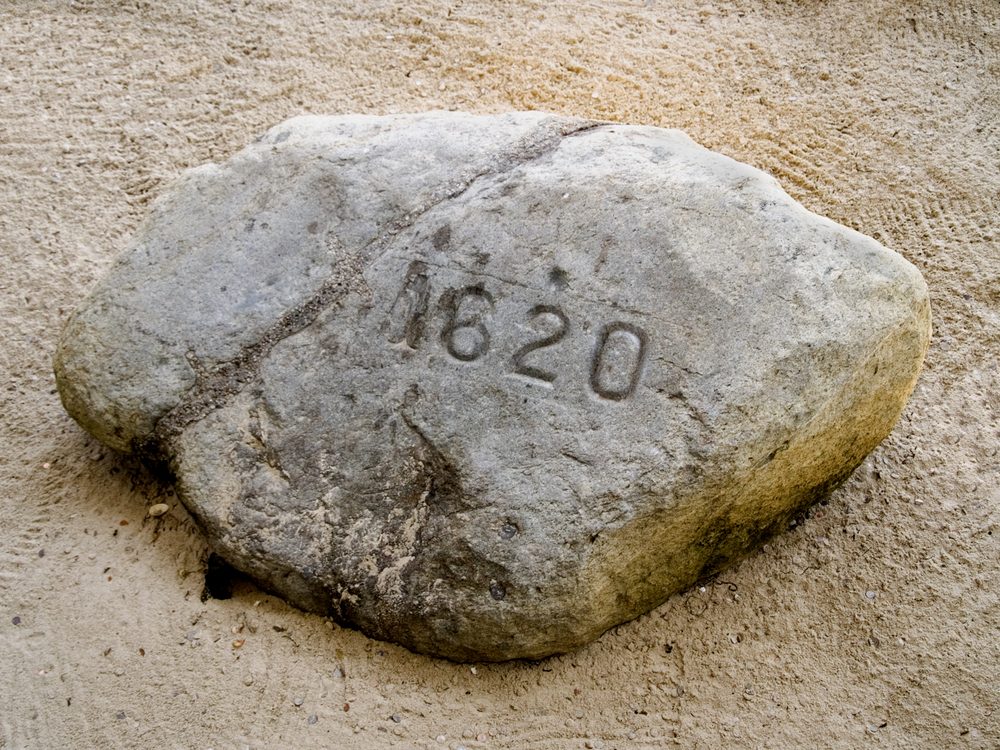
point(487, 386)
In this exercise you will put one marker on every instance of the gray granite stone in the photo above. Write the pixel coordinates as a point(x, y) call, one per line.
point(488, 386)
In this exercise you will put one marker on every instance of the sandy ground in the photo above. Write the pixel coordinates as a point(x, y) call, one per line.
point(872, 623)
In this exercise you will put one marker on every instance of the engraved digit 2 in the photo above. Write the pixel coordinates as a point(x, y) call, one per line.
point(452, 301)
point(606, 378)
point(406, 318)
point(518, 359)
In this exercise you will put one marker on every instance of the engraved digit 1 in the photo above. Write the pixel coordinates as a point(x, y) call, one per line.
point(466, 351)
point(517, 360)
point(627, 345)
point(409, 310)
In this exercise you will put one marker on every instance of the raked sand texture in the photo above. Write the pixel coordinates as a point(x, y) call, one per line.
point(872, 622)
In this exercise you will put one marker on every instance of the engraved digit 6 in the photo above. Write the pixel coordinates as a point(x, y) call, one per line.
point(452, 302)
point(517, 360)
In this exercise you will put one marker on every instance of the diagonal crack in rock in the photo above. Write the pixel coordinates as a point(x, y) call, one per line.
point(217, 384)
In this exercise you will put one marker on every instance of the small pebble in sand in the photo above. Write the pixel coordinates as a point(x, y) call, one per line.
point(870, 595)
point(298, 701)
point(239, 643)
point(16, 620)
point(313, 718)
point(396, 718)
point(442, 739)
point(155, 511)
point(248, 680)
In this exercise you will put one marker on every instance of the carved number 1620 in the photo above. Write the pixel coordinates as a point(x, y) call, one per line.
point(616, 359)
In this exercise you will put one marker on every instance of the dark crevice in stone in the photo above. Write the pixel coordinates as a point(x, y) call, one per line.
point(220, 578)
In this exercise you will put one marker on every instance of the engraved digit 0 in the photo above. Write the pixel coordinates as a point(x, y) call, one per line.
point(518, 359)
point(453, 302)
point(409, 310)
point(607, 378)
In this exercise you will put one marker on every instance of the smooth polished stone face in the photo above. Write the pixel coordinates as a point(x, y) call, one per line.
point(487, 386)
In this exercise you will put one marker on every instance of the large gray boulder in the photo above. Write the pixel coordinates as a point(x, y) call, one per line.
point(487, 386)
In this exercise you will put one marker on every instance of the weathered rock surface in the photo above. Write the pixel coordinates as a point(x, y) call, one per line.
point(487, 386)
